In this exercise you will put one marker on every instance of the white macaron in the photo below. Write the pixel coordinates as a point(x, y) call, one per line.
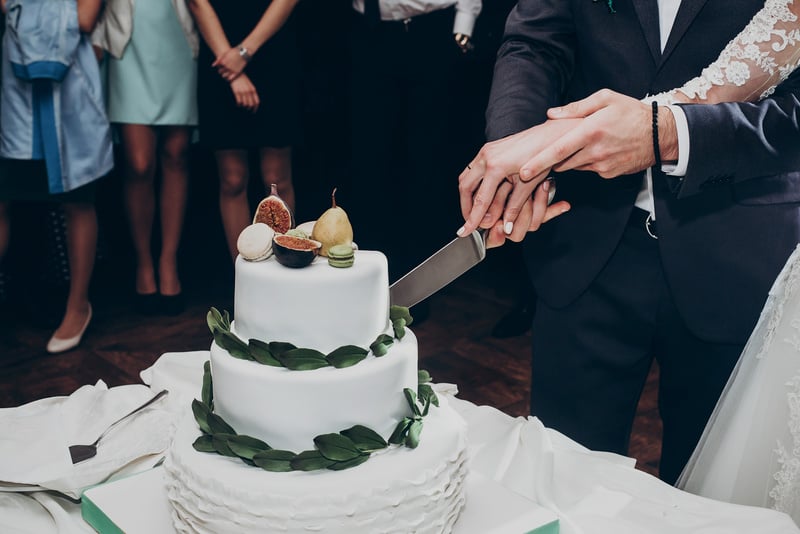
point(255, 242)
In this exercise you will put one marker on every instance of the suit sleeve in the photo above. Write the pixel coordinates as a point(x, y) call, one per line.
point(534, 64)
point(737, 141)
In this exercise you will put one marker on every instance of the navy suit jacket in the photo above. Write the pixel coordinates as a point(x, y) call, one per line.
point(727, 227)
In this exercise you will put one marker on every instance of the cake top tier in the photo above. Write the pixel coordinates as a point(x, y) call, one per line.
point(318, 307)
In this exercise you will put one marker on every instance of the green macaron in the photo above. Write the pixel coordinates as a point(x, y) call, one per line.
point(341, 256)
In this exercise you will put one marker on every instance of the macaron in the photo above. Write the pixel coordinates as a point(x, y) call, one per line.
point(341, 256)
point(255, 242)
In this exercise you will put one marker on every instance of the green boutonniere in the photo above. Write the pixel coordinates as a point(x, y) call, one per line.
point(609, 5)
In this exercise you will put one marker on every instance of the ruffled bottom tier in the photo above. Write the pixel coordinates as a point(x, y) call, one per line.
point(397, 490)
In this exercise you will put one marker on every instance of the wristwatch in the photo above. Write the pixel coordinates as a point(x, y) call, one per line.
point(245, 53)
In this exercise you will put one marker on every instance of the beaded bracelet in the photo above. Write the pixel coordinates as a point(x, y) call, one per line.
point(656, 148)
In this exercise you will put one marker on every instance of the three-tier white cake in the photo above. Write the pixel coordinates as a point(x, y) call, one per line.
point(397, 489)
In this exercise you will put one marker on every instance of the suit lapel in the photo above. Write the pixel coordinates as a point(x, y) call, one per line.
point(647, 11)
point(686, 14)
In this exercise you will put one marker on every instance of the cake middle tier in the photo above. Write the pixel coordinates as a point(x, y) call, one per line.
point(288, 409)
point(318, 307)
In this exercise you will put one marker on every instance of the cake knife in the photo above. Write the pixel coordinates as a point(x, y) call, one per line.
point(444, 266)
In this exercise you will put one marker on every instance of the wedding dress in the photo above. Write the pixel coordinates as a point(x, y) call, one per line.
point(764, 54)
point(750, 450)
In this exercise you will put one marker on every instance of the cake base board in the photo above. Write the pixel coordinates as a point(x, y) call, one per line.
point(138, 504)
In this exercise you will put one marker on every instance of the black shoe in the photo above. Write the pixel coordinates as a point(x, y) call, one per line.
point(515, 323)
point(146, 303)
point(171, 304)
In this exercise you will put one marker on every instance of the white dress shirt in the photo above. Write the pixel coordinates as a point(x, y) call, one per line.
point(667, 10)
point(467, 11)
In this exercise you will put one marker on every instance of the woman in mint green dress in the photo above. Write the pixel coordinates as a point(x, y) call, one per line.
point(152, 87)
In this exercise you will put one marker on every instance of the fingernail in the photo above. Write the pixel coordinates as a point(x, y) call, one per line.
point(460, 231)
point(555, 111)
point(546, 186)
point(508, 227)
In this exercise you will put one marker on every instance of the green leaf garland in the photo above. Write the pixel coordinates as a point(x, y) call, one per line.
point(334, 451)
point(287, 355)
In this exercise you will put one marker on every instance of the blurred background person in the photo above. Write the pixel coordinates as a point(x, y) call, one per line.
point(152, 96)
point(54, 130)
point(248, 98)
point(404, 56)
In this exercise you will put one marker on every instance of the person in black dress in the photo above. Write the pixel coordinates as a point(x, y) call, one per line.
point(248, 80)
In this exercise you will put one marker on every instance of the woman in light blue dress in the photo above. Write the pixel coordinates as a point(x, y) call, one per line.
point(152, 87)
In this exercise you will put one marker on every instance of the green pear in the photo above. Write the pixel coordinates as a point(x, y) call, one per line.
point(332, 228)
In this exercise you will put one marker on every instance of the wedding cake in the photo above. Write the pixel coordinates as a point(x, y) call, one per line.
point(314, 416)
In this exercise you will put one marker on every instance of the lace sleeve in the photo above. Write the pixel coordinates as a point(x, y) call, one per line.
point(764, 54)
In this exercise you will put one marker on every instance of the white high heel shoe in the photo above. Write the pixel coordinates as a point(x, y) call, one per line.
point(56, 344)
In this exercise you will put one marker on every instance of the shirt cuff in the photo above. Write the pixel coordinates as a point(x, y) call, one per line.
point(682, 129)
point(464, 23)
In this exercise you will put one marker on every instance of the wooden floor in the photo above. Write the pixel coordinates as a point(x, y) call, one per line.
point(455, 342)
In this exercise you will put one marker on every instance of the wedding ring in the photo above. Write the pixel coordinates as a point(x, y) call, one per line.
point(551, 193)
point(469, 168)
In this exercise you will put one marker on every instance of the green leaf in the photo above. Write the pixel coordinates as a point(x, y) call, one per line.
point(347, 464)
point(399, 327)
point(401, 312)
point(411, 398)
point(218, 425)
point(226, 319)
point(365, 439)
point(336, 447)
point(274, 460)
point(261, 353)
point(235, 346)
point(201, 412)
point(207, 392)
point(427, 395)
point(278, 348)
point(246, 446)
point(303, 359)
point(381, 345)
point(346, 356)
point(400, 431)
point(414, 431)
point(204, 443)
point(220, 443)
point(310, 461)
point(423, 376)
point(215, 321)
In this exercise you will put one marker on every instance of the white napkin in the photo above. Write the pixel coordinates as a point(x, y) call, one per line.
point(34, 446)
point(597, 492)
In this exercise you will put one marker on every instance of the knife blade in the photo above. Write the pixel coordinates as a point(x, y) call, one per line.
point(444, 266)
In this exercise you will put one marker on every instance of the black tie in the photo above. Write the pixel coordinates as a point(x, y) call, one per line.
point(372, 12)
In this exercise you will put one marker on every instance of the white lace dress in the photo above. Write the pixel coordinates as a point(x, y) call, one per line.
point(750, 450)
point(764, 54)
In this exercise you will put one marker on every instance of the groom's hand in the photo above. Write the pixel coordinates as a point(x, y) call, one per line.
point(615, 137)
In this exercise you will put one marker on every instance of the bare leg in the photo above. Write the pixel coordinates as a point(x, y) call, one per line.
point(233, 203)
point(81, 249)
point(139, 143)
point(174, 190)
point(276, 168)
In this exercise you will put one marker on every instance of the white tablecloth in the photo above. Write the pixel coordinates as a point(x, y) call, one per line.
point(591, 492)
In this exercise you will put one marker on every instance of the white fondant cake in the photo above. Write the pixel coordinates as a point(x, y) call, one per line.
point(317, 307)
point(397, 489)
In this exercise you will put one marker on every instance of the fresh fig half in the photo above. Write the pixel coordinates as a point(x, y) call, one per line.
point(274, 212)
point(295, 252)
